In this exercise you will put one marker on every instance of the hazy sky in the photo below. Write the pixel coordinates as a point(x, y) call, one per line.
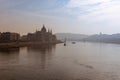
point(71, 16)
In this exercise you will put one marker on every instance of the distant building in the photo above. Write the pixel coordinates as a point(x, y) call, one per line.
point(24, 38)
point(100, 33)
point(8, 36)
point(43, 35)
point(0, 36)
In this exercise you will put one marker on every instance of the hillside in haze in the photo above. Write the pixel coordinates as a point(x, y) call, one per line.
point(105, 38)
point(114, 38)
point(70, 36)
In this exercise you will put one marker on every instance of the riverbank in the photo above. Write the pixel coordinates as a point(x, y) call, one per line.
point(22, 44)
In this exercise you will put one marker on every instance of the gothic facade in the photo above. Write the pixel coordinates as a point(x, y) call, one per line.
point(43, 35)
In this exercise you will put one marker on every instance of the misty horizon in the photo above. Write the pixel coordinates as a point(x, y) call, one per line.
point(62, 33)
point(63, 16)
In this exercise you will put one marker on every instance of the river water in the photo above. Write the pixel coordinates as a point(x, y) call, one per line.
point(80, 61)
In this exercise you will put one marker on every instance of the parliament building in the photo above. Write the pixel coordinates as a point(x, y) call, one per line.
point(42, 35)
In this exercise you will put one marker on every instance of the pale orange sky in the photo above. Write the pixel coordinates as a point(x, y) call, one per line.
point(70, 16)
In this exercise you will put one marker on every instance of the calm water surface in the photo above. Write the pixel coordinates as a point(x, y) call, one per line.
point(80, 61)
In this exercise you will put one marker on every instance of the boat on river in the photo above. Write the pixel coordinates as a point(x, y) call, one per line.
point(73, 42)
point(65, 42)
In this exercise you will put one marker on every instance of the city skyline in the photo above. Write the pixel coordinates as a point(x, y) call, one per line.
point(62, 16)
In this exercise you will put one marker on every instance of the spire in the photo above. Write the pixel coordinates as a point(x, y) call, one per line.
point(43, 28)
point(43, 25)
point(36, 29)
point(51, 31)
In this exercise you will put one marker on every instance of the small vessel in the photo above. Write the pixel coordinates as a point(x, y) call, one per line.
point(73, 42)
point(65, 42)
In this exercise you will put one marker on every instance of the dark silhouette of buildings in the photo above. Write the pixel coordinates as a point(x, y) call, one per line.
point(42, 36)
point(8, 36)
point(0, 36)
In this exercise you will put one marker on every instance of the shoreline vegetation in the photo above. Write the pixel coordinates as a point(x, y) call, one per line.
point(17, 44)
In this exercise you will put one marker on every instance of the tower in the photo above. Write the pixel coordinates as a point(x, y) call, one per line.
point(43, 28)
point(51, 31)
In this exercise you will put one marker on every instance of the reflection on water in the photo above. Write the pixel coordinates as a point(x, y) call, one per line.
point(81, 61)
point(43, 48)
point(8, 56)
point(9, 50)
point(43, 53)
